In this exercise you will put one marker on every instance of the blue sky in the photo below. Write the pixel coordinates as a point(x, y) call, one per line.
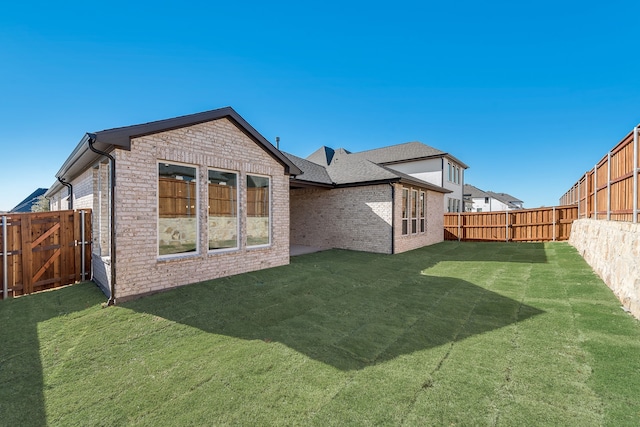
point(529, 94)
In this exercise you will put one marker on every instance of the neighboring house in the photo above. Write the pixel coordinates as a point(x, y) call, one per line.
point(488, 201)
point(27, 204)
point(426, 164)
point(344, 200)
point(179, 201)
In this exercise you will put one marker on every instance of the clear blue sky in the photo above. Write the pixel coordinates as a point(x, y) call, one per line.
point(529, 94)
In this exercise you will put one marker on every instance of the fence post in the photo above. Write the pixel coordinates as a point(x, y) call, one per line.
point(635, 175)
point(553, 213)
point(506, 226)
point(459, 227)
point(608, 187)
point(595, 191)
point(5, 276)
point(82, 236)
point(579, 198)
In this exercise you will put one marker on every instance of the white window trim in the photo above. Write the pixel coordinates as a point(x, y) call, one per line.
point(238, 217)
point(422, 197)
point(407, 208)
point(196, 252)
point(246, 216)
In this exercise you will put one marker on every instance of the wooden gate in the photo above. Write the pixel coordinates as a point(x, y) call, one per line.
point(44, 250)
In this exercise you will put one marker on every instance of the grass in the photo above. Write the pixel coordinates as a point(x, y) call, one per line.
point(452, 334)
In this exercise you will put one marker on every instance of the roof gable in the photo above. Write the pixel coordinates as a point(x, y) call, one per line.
point(107, 140)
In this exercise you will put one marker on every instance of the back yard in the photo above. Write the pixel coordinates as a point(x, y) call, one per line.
point(452, 334)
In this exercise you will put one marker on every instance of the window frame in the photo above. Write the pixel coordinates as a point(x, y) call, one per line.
point(270, 211)
point(196, 206)
point(414, 211)
point(405, 204)
point(422, 212)
point(237, 211)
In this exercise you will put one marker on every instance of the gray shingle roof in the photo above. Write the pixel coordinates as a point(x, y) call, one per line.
point(505, 198)
point(26, 204)
point(400, 152)
point(474, 192)
point(341, 168)
point(311, 172)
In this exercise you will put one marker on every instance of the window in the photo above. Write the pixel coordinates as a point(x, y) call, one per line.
point(258, 211)
point(422, 210)
point(177, 209)
point(486, 200)
point(414, 211)
point(405, 211)
point(450, 172)
point(223, 210)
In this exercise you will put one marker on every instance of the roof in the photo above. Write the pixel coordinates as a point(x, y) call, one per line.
point(474, 192)
point(110, 139)
point(340, 168)
point(29, 201)
point(402, 153)
point(506, 199)
point(311, 172)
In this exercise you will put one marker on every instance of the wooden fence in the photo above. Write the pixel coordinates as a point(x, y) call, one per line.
point(610, 190)
point(527, 225)
point(44, 250)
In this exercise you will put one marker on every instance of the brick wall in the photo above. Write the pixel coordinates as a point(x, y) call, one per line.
point(355, 218)
point(359, 218)
point(434, 232)
point(218, 144)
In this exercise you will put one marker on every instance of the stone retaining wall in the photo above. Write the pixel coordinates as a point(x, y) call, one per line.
point(612, 249)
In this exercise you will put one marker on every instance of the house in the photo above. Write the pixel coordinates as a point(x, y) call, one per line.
point(203, 196)
point(478, 200)
point(179, 201)
point(344, 200)
point(27, 204)
point(426, 164)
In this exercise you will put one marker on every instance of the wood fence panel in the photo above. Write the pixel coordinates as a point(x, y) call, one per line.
point(607, 191)
point(527, 225)
point(44, 251)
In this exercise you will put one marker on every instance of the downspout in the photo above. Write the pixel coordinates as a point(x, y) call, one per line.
point(70, 188)
point(393, 218)
point(112, 291)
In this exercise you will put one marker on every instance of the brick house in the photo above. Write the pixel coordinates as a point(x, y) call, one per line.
point(203, 196)
point(179, 201)
point(344, 200)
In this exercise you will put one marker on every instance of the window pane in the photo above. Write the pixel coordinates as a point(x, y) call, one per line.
point(405, 203)
point(223, 206)
point(177, 209)
point(258, 210)
point(414, 211)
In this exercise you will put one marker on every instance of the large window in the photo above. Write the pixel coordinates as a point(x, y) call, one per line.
point(223, 210)
point(258, 211)
point(422, 209)
point(405, 211)
point(414, 211)
point(177, 209)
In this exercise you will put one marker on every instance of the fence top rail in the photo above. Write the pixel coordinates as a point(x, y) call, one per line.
point(19, 215)
point(514, 211)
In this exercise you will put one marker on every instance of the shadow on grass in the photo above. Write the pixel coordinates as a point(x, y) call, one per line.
point(348, 309)
point(21, 376)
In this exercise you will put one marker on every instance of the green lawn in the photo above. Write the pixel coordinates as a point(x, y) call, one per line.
point(458, 334)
